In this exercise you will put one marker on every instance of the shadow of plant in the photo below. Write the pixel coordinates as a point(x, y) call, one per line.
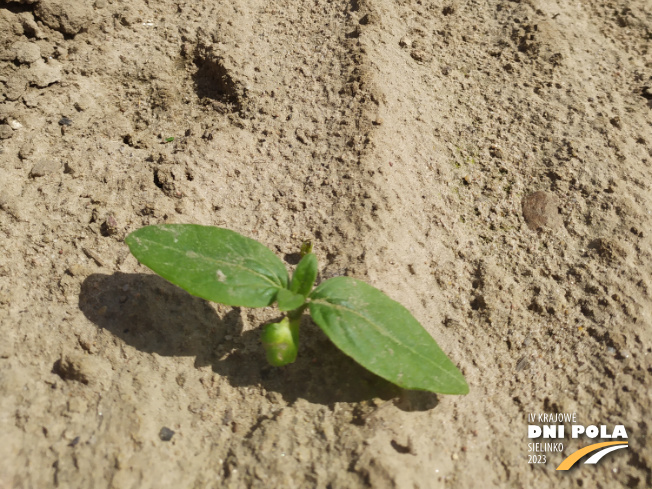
point(154, 316)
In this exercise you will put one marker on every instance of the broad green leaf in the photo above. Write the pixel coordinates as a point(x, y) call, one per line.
point(210, 262)
point(304, 276)
point(382, 336)
point(281, 342)
point(288, 300)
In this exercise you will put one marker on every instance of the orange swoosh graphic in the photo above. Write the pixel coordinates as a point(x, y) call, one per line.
point(575, 456)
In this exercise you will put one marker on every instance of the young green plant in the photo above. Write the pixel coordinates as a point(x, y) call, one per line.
point(223, 266)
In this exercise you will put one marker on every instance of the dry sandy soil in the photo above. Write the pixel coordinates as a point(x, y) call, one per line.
point(405, 138)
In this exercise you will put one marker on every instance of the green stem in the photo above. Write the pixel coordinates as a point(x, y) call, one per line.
point(294, 329)
point(295, 315)
point(295, 319)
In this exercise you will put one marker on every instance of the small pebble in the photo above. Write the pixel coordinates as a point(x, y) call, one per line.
point(43, 74)
point(77, 367)
point(5, 131)
point(405, 42)
point(109, 227)
point(420, 55)
point(44, 167)
point(540, 210)
point(370, 18)
point(78, 270)
point(166, 434)
point(26, 52)
point(15, 86)
point(31, 99)
point(30, 26)
point(26, 150)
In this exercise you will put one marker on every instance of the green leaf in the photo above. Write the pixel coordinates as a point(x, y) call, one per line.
point(288, 301)
point(304, 276)
point(281, 342)
point(382, 336)
point(210, 262)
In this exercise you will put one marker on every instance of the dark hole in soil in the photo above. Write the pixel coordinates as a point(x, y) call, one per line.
point(212, 81)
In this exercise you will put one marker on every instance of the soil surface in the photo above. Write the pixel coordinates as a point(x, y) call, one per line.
point(487, 163)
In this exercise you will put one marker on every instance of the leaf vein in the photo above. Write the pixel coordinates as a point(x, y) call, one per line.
point(218, 262)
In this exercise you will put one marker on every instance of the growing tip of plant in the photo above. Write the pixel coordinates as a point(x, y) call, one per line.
point(306, 247)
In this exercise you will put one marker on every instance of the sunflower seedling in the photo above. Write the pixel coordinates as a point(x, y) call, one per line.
point(223, 266)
